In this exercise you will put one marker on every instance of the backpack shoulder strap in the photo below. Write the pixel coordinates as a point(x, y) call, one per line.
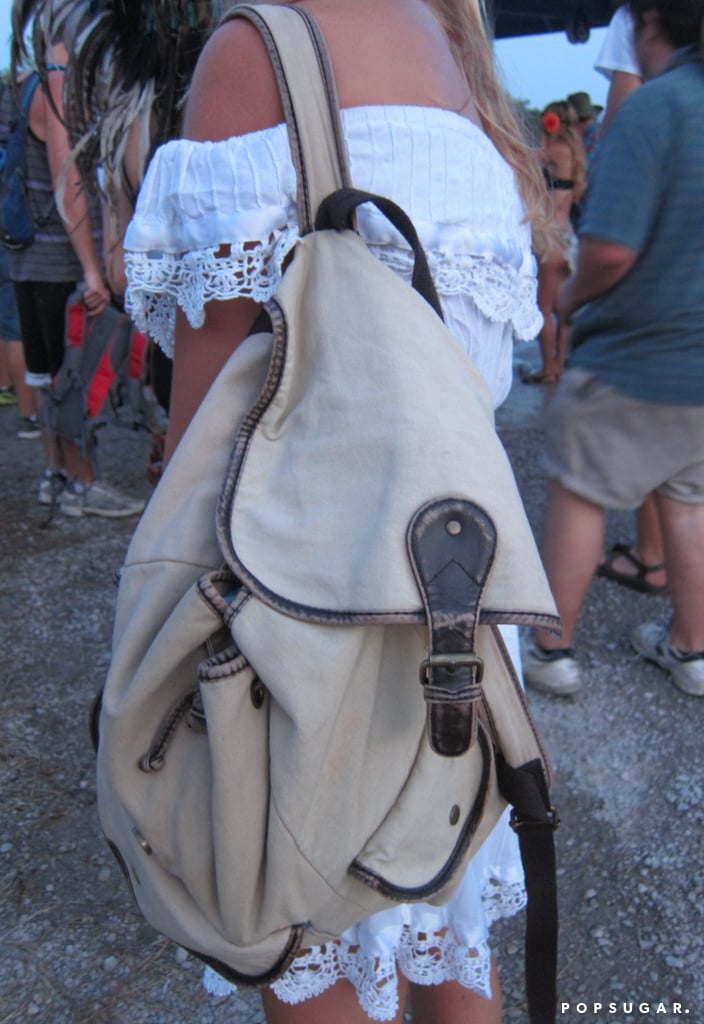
point(20, 128)
point(306, 84)
point(29, 87)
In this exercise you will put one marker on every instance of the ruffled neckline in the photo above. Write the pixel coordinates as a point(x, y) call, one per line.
point(240, 192)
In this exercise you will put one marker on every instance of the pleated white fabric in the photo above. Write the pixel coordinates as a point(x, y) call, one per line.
point(240, 194)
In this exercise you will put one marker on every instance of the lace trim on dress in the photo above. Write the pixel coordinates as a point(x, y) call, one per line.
point(425, 959)
point(499, 292)
point(159, 282)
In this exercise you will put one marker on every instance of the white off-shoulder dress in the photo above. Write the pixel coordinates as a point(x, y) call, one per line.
point(462, 198)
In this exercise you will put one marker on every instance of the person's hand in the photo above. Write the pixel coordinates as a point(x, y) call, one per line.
point(96, 295)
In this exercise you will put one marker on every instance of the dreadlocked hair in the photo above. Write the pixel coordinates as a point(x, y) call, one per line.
point(130, 69)
point(37, 25)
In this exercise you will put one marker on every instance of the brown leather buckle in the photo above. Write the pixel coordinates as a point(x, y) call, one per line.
point(450, 662)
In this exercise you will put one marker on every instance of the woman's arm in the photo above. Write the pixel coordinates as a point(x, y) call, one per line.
point(73, 206)
point(199, 355)
point(233, 92)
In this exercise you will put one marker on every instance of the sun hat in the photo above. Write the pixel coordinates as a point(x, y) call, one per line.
point(582, 103)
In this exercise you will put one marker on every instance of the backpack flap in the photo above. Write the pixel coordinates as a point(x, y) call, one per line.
point(371, 410)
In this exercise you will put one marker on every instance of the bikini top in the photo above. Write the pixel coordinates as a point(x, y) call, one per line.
point(564, 184)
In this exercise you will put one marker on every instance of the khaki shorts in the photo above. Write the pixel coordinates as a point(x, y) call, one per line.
point(613, 450)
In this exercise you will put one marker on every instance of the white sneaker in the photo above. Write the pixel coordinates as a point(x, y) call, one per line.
point(652, 641)
point(554, 672)
point(98, 499)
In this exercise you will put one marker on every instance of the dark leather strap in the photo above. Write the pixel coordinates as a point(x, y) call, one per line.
point(337, 211)
point(535, 820)
point(451, 545)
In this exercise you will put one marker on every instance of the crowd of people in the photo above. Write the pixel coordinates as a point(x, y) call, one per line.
point(81, 185)
point(144, 184)
point(570, 133)
point(625, 427)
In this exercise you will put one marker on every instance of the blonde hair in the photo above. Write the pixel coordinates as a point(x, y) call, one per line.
point(466, 25)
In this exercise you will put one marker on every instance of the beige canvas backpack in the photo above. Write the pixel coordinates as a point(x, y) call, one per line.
point(310, 714)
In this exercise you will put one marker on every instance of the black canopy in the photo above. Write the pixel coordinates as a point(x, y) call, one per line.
point(530, 17)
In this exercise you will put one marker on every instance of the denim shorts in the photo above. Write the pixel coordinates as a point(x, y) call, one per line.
point(613, 450)
point(9, 318)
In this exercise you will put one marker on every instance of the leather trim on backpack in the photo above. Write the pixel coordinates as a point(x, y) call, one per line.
point(452, 544)
point(267, 977)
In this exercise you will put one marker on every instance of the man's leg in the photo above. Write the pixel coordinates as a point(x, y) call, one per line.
point(648, 550)
point(571, 550)
point(683, 534)
point(680, 651)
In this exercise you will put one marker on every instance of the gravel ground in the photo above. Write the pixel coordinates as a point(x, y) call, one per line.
point(626, 752)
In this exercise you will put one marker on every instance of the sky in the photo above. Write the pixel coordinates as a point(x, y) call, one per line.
point(534, 68)
point(5, 7)
point(544, 68)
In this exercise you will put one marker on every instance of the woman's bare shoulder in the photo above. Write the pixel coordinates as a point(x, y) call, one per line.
point(394, 54)
point(234, 87)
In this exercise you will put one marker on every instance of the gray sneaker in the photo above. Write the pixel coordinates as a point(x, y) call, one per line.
point(98, 499)
point(652, 641)
point(51, 486)
point(28, 428)
point(554, 672)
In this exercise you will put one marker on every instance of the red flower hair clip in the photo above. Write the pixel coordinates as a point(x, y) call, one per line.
point(551, 123)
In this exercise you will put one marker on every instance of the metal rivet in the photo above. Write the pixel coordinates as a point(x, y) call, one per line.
point(256, 692)
point(455, 815)
point(453, 527)
point(142, 841)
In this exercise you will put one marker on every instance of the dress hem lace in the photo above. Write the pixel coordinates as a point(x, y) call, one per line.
point(424, 958)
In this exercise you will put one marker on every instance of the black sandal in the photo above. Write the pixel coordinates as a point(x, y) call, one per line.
point(636, 581)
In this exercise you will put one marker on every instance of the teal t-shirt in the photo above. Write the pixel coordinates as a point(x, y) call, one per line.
point(645, 336)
